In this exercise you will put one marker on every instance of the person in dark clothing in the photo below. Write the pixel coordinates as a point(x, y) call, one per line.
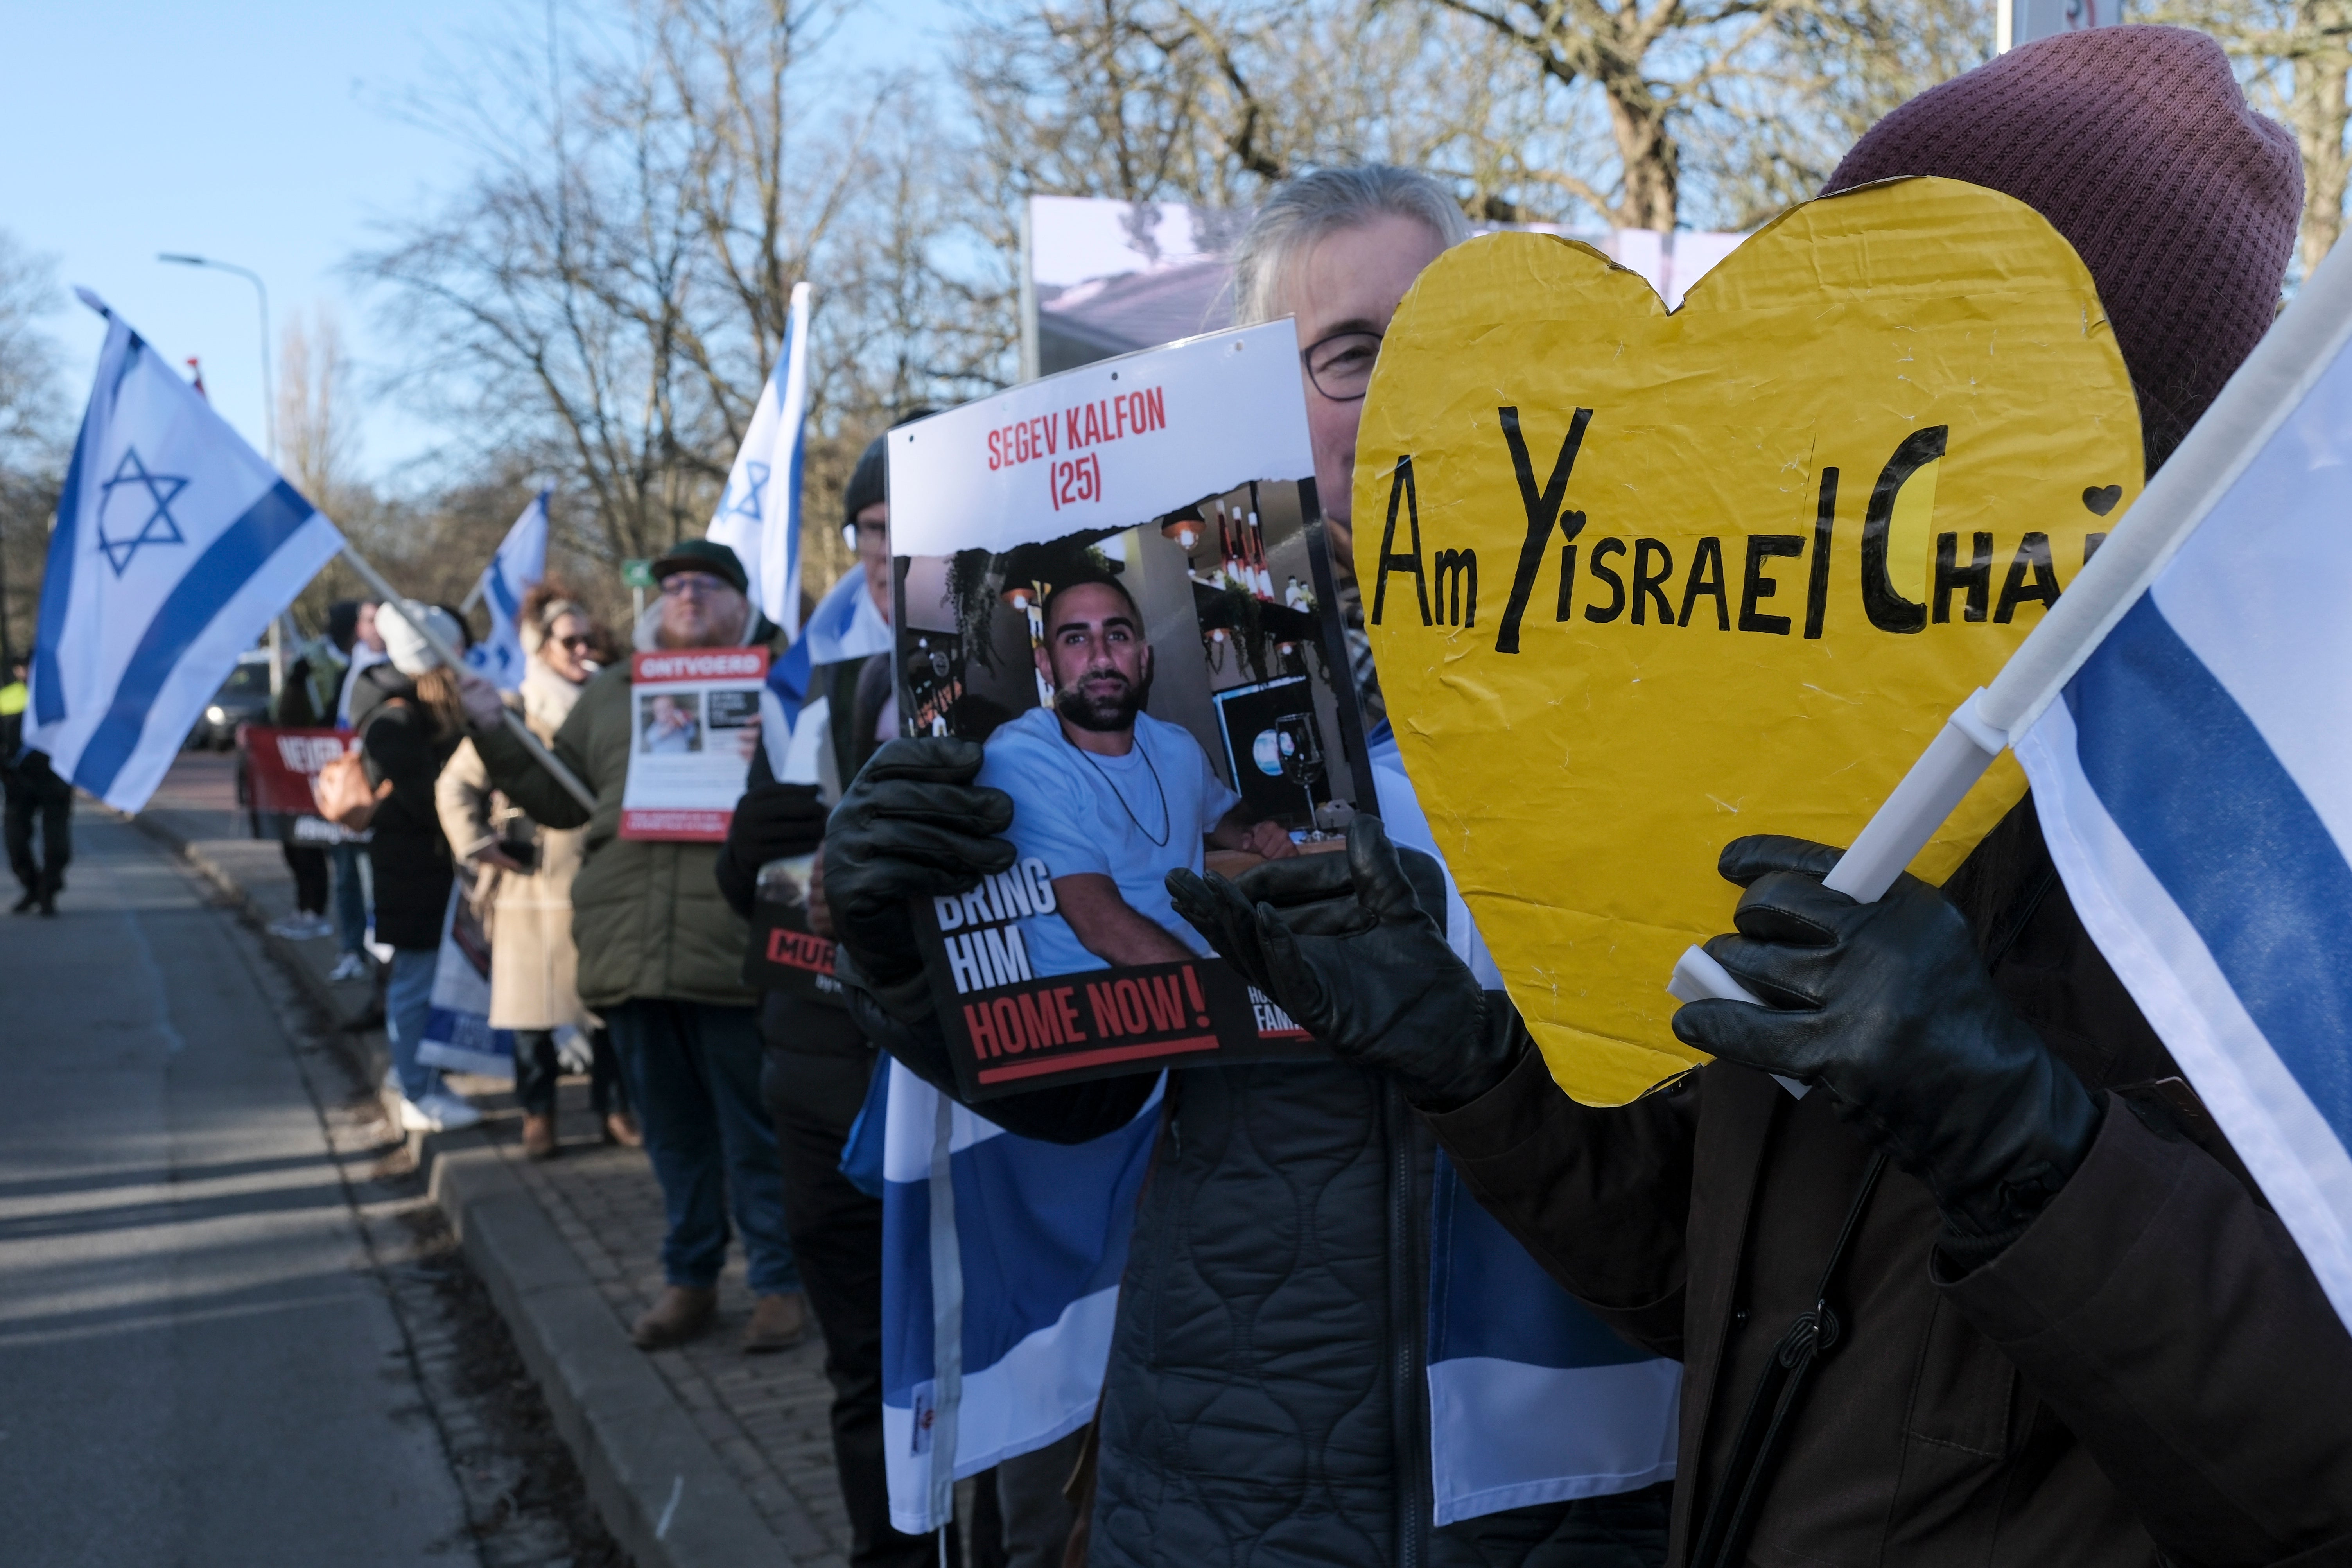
point(818, 1064)
point(1266, 1396)
point(409, 721)
point(34, 794)
point(1997, 1290)
point(307, 701)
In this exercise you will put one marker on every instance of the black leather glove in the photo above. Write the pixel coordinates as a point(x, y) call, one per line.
point(911, 826)
point(1349, 952)
point(1887, 1006)
point(775, 822)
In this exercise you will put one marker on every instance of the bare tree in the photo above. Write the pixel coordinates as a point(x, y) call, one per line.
point(2296, 58)
point(318, 438)
point(33, 433)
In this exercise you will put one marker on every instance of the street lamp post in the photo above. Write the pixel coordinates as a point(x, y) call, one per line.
point(268, 423)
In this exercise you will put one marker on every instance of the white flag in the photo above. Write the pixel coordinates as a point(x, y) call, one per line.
point(759, 515)
point(520, 562)
point(177, 545)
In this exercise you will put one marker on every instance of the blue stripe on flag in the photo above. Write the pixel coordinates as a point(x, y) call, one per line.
point(223, 568)
point(1015, 1281)
point(2187, 779)
point(1488, 1298)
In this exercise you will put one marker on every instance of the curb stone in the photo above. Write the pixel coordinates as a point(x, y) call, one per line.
point(656, 1480)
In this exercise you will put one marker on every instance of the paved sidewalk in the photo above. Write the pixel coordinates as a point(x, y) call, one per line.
point(763, 1418)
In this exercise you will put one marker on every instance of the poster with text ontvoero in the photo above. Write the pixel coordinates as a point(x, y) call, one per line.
point(1114, 579)
point(1639, 582)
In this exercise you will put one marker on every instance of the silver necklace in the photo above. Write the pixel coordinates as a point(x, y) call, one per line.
point(1166, 827)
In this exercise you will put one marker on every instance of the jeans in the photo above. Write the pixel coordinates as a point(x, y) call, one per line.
point(407, 1008)
point(693, 1072)
point(350, 899)
point(537, 1070)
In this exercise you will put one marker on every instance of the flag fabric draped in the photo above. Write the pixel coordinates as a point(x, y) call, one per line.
point(458, 1032)
point(759, 514)
point(520, 563)
point(846, 623)
point(176, 546)
point(1001, 1265)
point(1531, 1398)
point(2195, 787)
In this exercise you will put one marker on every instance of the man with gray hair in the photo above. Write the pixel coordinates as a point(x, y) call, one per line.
point(1266, 1395)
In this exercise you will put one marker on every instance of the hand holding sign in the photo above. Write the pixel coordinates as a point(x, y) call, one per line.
point(1738, 562)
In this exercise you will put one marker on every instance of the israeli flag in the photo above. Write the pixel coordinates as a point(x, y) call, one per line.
point(2195, 786)
point(520, 562)
point(759, 514)
point(175, 547)
point(1000, 1264)
point(846, 625)
point(1532, 1399)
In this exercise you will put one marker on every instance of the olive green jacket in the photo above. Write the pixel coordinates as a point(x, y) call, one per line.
point(647, 915)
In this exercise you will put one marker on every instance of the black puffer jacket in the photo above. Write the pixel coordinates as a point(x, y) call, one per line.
point(409, 854)
point(1266, 1401)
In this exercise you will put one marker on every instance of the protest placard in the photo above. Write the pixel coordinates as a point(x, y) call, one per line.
point(1116, 579)
point(693, 722)
point(281, 765)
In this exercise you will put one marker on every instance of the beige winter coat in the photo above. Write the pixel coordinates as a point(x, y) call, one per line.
point(534, 968)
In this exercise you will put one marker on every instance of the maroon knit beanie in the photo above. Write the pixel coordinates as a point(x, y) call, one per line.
point(2138, 146)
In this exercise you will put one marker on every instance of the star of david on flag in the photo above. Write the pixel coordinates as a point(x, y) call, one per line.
point(767, 538)
point(176, 544)
point(159, 527)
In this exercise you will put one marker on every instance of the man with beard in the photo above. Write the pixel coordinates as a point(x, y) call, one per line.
point(1110, 798)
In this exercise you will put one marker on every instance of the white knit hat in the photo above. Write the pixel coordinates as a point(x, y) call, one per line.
point(404, 645)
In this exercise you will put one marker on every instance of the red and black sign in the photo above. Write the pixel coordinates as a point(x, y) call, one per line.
point(279, 765)
point(786, 956)
point(1106, 1022)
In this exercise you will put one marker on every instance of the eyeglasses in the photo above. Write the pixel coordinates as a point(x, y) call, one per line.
point(1340, 365)
point(695, 583)
point(578, 644)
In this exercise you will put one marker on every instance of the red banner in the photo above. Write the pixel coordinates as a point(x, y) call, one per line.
point(284, 762)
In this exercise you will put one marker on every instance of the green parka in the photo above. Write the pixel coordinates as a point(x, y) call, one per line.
point(646, 914)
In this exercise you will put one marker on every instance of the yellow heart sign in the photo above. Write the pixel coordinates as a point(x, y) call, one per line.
point(1638, 583)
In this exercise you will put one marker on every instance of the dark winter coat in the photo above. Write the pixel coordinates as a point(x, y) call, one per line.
point(1266, 1399)
point(2149, 1374)
point(409, 854)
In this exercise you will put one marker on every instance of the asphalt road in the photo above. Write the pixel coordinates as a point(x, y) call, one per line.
point(196, 1366)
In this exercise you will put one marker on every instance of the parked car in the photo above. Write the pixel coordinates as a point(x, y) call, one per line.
point(243, 698)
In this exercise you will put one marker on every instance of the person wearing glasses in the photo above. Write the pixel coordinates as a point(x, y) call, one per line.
point(661, 962)
point(1266, 1395)
point(522, 882)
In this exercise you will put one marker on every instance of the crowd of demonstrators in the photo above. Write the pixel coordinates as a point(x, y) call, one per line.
point(522, 885)
point(410, 723)
point(37, 798)
point(359, 644)
point(660, 959)
point(1283, 1234)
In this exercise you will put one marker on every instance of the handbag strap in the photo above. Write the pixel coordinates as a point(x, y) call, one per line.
point(1816, 1332)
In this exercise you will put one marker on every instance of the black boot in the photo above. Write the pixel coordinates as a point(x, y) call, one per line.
point(24, 905)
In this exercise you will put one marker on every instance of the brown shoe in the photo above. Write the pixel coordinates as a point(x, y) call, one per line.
point(538, 1136)
point(621, 1126)
point(778, 1323)
point(684, 1313)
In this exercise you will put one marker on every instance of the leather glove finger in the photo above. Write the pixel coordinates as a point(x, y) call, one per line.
point(1290, 977)
point(1300, 880)
point(1784, 1040)
point(1382, 884)
point(1782, 975)
point(1746, 859)
point(947, 859)
point(1792, 908)
point(1225, 919)
point(940, 758)
point(971, 807)
point(776, 821)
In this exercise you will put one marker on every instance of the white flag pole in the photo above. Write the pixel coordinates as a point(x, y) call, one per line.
point(455, 660)
point(2300, 346)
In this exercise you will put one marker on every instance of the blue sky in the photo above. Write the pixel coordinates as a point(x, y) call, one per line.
point(263, 133)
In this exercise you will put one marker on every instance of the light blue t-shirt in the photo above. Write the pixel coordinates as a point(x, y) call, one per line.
point(1133, 819)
